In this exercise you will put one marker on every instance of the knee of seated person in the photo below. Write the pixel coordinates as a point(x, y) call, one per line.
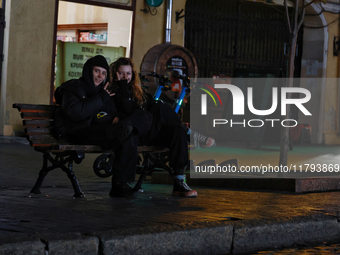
point(131, 141)
point(180, 130)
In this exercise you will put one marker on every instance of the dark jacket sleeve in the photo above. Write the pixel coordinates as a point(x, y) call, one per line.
point(79, 107)
point(125, 104)
point(129, 105)
point(123, 100)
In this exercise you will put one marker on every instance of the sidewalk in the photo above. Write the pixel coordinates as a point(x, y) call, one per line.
point(218, 221)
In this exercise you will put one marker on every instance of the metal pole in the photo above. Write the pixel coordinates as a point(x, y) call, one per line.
point(168, 21)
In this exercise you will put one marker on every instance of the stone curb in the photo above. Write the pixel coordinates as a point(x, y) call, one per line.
point(249, 238)
point(226, 237)
point(216, 240)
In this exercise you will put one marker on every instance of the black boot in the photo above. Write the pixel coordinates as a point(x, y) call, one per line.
point(121, 189)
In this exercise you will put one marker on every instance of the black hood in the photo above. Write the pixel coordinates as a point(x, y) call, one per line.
point(87, 75)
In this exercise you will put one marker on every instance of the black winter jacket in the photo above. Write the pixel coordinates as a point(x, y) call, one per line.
point(82, 104)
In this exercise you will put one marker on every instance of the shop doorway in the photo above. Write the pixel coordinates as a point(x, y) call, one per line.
point(225, 36)
point(85, 28)
point(84, 23)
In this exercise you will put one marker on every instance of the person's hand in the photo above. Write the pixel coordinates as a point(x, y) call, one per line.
point(123, 85)
point(105, 88)
point(115, 120)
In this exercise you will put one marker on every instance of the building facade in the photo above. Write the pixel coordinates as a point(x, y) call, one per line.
point(27, 73)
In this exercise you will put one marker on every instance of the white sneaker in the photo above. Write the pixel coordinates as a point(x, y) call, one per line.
point(182, 189)
point(202, 140)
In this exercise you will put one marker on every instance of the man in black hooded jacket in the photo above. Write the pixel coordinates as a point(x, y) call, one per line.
point(88, 115)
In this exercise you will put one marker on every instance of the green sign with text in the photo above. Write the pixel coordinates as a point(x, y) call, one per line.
point(71, 58)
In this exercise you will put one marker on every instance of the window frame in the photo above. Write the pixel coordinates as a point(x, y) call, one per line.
point(95, 3)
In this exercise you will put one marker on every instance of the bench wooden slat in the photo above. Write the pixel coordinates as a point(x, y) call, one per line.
point(36, 115)
point(47, 111)
point(33, 130)
point(84, 148)
point(56, 145)
point(42, 137)
point(56, 148)
point(34, 107)
point(42, 143)
point(38, 139)
point(37, 123)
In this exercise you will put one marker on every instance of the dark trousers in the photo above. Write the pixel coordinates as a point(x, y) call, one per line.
point(125, 162)
point(167, 130)
point(124, 166)
point(140, 120)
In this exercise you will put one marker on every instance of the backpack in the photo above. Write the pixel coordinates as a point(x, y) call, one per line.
point(59, 92)
point(63, 125)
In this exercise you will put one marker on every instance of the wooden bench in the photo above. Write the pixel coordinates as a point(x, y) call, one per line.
point(38, 126)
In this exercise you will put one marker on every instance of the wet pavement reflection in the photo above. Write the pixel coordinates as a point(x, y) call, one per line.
point(318, 249)
point(56, 211)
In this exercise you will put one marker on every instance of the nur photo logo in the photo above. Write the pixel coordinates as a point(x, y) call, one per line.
point(204, 97)
point(239, 103)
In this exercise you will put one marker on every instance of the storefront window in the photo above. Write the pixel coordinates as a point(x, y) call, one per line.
point(85, 30)
point(122, 2)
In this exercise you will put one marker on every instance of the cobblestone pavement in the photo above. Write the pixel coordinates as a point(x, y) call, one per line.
point(20, 166)
point(313, 250)
point(56, 211)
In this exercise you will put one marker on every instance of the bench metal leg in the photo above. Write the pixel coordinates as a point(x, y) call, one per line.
point(59, 161)
point(150, 162)
point(71, 175)
point(43, 172)
point(146, 170)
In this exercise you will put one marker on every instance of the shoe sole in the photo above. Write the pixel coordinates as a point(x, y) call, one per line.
point(192, 193)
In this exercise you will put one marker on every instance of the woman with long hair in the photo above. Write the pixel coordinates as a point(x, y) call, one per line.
point(166, 130)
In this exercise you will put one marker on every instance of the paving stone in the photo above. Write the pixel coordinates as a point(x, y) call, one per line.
point(251, 237)
point(73, 245)
point(213, 240)
point(154, 222)
point(21, 244)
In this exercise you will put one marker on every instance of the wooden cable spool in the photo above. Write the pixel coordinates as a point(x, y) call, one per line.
point(163, 57)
